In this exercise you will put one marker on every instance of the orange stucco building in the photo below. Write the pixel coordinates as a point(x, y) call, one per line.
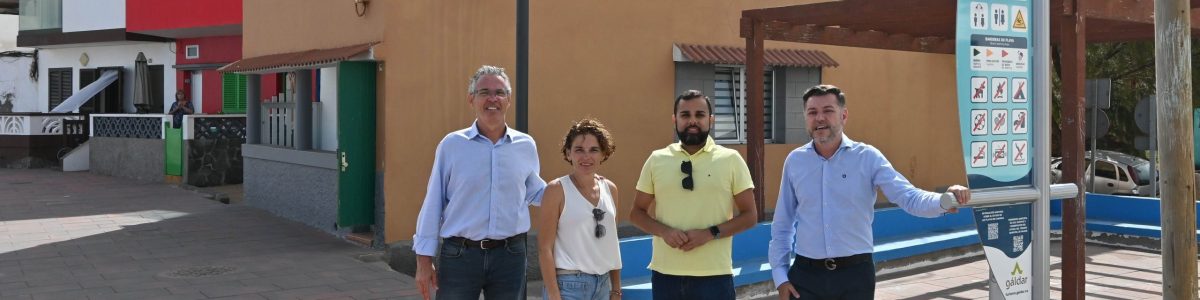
point(620, 62)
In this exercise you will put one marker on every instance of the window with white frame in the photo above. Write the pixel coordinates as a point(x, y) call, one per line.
point(191, 52)
point(730, 108)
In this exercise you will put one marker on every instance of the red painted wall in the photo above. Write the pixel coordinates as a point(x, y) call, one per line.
point(270, 86)
point(144, 15)
point(219, 49)
point(212, 92)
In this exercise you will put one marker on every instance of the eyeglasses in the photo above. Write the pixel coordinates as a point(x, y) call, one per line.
point(686, 168)
point(824, 89)
point(484, 93)
point(598, 215)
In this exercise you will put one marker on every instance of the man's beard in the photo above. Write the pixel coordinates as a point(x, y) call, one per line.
point(692, 139)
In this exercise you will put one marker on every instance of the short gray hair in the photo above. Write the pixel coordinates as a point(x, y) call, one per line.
point(488, 70)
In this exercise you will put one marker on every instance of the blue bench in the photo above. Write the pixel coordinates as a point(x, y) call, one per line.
point(1123, 215)
point(897, 235)
point(749, 261)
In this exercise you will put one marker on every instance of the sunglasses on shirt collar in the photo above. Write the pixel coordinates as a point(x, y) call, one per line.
point(686, 168)
point(598, 215)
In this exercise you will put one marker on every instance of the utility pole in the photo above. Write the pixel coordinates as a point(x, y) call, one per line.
point(1173, 81)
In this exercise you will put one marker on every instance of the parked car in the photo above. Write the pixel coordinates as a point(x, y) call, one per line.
point(1116, 173)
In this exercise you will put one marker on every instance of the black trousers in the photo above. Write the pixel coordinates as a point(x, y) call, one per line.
point(849, 283)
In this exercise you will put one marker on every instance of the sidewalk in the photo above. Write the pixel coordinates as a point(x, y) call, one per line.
point(85, 236)
point(1112, 273)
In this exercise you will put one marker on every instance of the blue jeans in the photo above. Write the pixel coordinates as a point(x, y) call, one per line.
point(582, 286)
point(464, 272)
point(671, 287)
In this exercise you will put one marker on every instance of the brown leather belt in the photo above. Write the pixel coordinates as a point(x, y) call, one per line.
point(485, 243)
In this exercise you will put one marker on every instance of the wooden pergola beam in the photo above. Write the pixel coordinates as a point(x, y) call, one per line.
point(841, 36)
point(889, 25)
point(1133, 11)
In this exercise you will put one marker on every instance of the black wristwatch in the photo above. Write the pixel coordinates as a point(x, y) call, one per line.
point(715, 231)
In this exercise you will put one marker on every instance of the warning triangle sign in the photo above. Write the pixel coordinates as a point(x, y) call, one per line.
point(1019, 22)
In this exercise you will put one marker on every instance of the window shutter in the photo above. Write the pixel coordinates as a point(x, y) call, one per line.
point(233, 93)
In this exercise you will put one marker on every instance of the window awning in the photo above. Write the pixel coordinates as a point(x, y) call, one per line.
point(84, 94)
point(308, 59)
point(712, 54)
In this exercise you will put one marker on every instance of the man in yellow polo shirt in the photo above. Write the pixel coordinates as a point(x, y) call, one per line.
point(694, 186)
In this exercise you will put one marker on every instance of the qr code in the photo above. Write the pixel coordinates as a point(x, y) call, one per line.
point(993, 231)
point(1018, 243)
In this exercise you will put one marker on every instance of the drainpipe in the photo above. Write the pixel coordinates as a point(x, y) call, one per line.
point(522, 89)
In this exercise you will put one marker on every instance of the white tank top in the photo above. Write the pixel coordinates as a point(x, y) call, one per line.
point(576, 246)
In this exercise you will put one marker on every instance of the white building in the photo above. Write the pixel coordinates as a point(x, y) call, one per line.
point(18, 90)
point(78, 40)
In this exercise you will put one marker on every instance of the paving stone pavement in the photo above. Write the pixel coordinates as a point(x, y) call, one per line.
point(84, 236)
point(1111, 273)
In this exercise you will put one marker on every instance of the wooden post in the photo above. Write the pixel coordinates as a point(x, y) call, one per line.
point(1173, 79)
point(754, 89)
point(1074, 50)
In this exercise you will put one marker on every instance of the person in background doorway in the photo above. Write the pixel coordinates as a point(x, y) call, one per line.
point(182, 106)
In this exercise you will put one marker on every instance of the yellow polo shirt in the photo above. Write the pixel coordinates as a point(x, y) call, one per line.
point(718, 173)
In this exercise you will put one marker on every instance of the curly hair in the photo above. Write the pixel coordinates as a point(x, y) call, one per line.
point(594, 128)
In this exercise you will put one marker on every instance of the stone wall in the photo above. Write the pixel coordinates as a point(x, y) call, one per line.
point(133, 158)
point(297, 185)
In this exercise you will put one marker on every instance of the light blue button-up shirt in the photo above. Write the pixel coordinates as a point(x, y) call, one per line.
point(826, 206)
point(479, 190)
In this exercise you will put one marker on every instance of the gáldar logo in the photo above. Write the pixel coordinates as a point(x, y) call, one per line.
point(1018, 277)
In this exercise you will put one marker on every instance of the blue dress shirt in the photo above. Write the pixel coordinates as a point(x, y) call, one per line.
point(479, 190)
point(826, 206)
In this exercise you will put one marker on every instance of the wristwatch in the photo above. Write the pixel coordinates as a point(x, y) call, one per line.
point(716, 232)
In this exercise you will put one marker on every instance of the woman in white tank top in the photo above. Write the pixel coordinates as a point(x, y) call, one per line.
point(577, 239)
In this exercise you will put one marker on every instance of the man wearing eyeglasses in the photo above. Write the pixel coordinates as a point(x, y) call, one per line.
point(484, 178)
point(826, 206)
point(702, 195)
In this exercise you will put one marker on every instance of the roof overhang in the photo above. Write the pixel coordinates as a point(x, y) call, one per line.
point(194, 32)
point(302, 60)
point(713, 54)
point(55, 38)
point(892, 25)
point(10, 7)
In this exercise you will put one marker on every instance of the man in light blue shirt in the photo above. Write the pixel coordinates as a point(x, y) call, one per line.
point(826, 206)
point(484, 179)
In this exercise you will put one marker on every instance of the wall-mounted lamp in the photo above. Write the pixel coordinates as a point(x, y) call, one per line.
point(360, 7)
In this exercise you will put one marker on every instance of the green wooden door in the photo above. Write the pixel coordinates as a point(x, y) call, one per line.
point(356, 143)
point(173, 149)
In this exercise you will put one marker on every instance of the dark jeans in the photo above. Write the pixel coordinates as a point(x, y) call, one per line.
point(849, 283)
point(463, 272)
point(672, 287)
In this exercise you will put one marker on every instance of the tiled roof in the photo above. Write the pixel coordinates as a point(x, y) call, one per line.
point(712, 54)
point(295, 60)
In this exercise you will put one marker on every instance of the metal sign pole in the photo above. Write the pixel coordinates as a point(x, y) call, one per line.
point(1011, 197)
point(1041, 158)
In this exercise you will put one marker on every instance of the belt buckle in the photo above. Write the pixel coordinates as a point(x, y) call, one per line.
point(481, 246)
point(830, 264)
